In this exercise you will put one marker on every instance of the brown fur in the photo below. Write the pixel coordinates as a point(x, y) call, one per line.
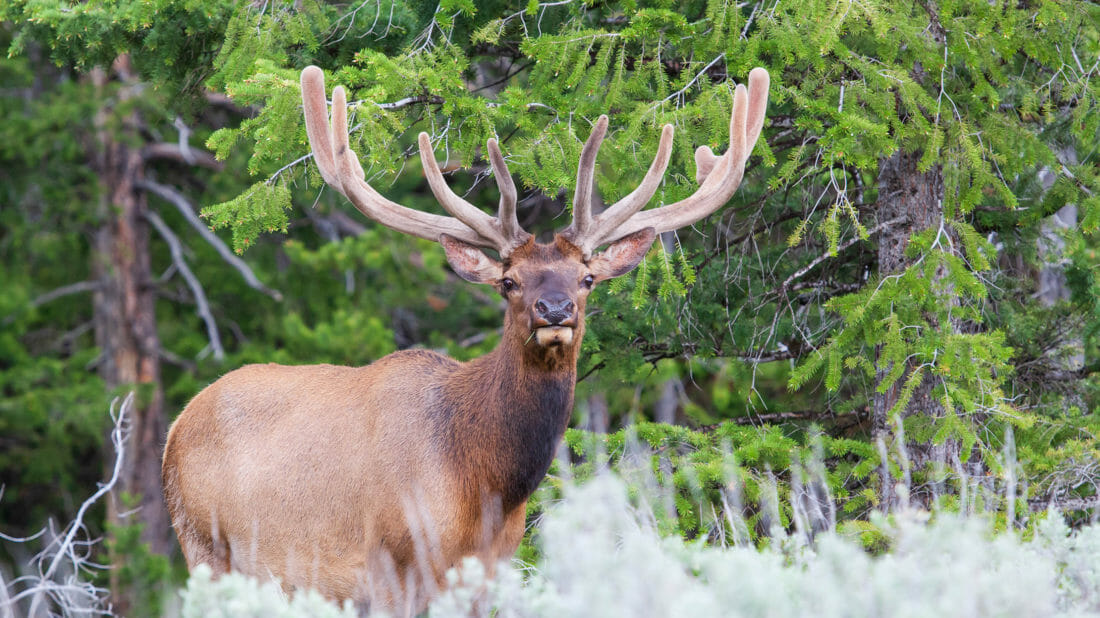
point(368, 483)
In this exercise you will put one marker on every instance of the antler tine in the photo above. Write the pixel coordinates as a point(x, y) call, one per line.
point(459, 208)
point(586, 172)
point(759, 81)
point(719, 176)
point(621, 211)
point(506, 214)
point(316, 114)
point(347, 162)
point(341, 170)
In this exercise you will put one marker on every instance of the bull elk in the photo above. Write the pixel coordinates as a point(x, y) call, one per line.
point(368, 483)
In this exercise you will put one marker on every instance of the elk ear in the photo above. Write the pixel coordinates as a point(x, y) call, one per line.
point(470, 262)
point(623, 255)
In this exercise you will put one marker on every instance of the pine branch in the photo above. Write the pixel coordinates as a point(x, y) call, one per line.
point(801, 272)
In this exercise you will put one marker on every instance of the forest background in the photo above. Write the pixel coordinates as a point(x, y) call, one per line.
point(903, 291)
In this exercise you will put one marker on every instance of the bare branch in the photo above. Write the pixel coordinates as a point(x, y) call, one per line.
point(801, 272)
point(806, 415)
point(175, 198)
point(176, 247)
point(679, 94)
point(784, 352)
point(67, 550)
point(190, 156)
point(1064, 504)
point(171, 357)
point(433, 99)
point(347, 225)
point(66, 290)
point(834, 287)
point(429, 99)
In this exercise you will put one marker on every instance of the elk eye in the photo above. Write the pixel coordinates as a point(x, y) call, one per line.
point(507, 284)
point(589, 281)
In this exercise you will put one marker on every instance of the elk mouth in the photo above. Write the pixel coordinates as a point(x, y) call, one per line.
point(554, 335)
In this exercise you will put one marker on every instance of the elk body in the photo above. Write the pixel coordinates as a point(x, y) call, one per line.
point(368, 483)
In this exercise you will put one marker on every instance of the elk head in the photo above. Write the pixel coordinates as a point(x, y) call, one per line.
point(546, 285)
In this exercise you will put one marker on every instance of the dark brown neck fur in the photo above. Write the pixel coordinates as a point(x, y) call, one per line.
point(507, 413)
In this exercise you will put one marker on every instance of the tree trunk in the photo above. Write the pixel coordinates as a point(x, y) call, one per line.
point(1053, 287)
point(597, 418)
point(904, 191)
point(125, 319)
point(668, 403)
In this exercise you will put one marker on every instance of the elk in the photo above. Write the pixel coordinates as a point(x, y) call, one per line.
point(368, 483)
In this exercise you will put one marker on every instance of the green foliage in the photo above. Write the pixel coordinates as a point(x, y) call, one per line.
point(727, 484)
point(261, 209)
point(52, 431)
point(176, 38)
point(913, 317)
point(143, 576)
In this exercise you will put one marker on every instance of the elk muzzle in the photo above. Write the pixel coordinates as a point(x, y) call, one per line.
point(554, 319)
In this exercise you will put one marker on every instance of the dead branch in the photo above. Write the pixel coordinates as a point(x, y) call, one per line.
point(1064, 504)
point(68, 553)
point(190, 156)
point(176, 247)
point(181, 203)
point(66, 290)
point(347, 225)
point(854, 417)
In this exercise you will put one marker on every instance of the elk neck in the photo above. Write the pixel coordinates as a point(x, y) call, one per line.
point(507, 413)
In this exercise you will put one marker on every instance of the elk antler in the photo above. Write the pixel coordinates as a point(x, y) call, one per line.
point(341, 170)
point(718, 177)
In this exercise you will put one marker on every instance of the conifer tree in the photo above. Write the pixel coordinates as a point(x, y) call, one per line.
point(103, 149)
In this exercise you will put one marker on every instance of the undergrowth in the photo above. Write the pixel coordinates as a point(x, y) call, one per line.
point(602, 554)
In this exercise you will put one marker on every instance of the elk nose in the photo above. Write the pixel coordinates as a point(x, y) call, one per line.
point(554, 308)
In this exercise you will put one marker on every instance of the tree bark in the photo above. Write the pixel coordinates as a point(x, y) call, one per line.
point(124, 314)
point(904, 191)
point(1053, 287)
point(668, 403)
point(597, 418)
